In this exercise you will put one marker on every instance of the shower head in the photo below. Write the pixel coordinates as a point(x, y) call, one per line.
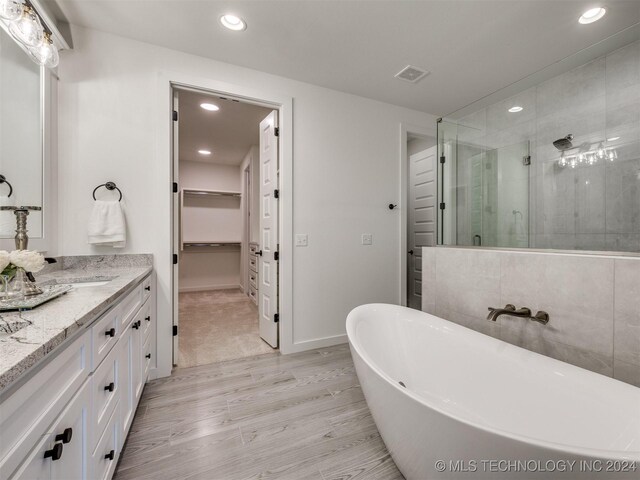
point(564, 143)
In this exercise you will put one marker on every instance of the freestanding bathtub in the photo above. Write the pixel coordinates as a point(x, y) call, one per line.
point(450, 402)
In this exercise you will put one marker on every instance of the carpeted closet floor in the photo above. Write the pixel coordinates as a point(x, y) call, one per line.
point(218, 325)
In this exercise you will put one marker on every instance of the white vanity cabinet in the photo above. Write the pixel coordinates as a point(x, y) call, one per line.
point(69, 420)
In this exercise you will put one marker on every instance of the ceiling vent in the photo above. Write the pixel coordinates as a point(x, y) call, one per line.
point(411, 74)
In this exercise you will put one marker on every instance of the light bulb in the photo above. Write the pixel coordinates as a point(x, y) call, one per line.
point(581, 157)
point(27, 29)
point(46, 53)
point(11, 9)
point(600, 151)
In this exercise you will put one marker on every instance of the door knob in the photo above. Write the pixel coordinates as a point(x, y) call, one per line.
point(259, 252)
point(410, 252)
point(111, 332)
point(111, 455)
point(148, 355)
point(110, 387)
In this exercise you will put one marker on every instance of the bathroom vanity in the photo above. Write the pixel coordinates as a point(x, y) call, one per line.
point(73, 370)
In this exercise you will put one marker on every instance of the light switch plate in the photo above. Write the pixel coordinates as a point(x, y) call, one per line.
point(367, 239)
point(302, 239)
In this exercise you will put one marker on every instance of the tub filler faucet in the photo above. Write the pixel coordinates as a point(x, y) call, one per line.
point(524, 312)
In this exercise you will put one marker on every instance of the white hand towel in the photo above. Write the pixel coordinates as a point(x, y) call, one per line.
point(7, 217)
point(107, 226)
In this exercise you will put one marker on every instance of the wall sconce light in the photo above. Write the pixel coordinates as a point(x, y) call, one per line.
point(26, 27)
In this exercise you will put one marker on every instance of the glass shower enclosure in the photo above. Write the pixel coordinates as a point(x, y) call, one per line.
point(483, 191)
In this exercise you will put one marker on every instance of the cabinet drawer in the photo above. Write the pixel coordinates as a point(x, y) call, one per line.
point(146, 360)
point(147, 320)
point(104, 335)
point(26, 415)
point(253, 294)
point(253, 263)
point(253, 279)
point(105, 457)
point(105, 393)
point(147, 288)
point(129, 306)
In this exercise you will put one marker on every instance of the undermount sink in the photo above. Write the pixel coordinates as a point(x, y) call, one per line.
point(82, 282)
point(88, 283)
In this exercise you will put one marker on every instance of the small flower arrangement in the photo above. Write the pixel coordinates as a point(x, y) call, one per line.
point(29, 260)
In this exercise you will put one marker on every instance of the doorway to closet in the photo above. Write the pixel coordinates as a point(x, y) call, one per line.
point(225, 227)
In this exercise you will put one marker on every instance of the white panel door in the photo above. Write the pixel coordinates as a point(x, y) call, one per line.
point(268, 268)
point(176, 221)
point(422, 219)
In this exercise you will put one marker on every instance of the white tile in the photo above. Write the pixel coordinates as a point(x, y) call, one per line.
point(627, 310)
point(467, 280)
point(576, 291)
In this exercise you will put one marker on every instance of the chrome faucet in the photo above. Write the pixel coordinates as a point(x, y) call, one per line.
point(524, 312)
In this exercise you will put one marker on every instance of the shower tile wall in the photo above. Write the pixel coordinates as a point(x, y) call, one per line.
point(593, 302)
point(591, 208)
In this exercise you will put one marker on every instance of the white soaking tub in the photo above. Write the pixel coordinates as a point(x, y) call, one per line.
point(453, 403)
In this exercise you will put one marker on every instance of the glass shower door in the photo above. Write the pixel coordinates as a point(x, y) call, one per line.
point(498, 194)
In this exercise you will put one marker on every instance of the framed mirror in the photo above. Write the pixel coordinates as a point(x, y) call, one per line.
point(22, 84)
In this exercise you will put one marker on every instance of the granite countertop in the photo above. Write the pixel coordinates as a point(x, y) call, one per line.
point(50, 324)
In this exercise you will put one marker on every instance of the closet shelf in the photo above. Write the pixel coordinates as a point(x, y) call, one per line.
point(213, 193)
point(210, 244)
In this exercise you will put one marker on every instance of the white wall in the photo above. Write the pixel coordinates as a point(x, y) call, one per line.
point(209, 176)
point(210, 219)
point(346, 169)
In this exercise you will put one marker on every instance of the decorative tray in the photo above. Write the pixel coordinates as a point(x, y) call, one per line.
point(49, 292)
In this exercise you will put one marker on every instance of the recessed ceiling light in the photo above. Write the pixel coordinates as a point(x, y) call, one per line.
point(592, 15)
point(204, 152)
point(516, 109)
point(210, 106)
point(233, 22)
point(613, 139)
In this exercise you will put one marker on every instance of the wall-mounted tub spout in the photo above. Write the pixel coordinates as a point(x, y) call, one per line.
point(524, 312)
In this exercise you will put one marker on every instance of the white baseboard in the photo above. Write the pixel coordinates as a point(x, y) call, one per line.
point(204, 288)
point(316, 343)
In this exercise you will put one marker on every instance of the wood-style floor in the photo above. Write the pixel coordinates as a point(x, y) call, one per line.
point(298, 417)
point(218, 325)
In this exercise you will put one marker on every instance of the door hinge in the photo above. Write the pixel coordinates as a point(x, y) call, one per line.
point(276, 131)
point(276, 256)
point(175, 258)
point(175, 115)
point(276, 193)
point(276, 318)
point(442, 159)
point(175, 187)
point(526, 160)
point(442, 206)
point(175, 330)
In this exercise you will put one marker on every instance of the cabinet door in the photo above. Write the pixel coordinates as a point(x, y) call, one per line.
point(137, 359)
point(74, 462)
point(36, 466)
point(125, 376)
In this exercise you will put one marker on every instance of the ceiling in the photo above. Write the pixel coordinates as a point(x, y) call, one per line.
point(472, 48)
point(228, 133)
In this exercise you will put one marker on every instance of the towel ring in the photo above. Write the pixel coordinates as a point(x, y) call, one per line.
point(4, 180)
point(109, 186)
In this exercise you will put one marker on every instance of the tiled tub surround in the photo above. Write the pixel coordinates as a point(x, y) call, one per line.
point(593, 207)
point(52, 323)
point(593, 302)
